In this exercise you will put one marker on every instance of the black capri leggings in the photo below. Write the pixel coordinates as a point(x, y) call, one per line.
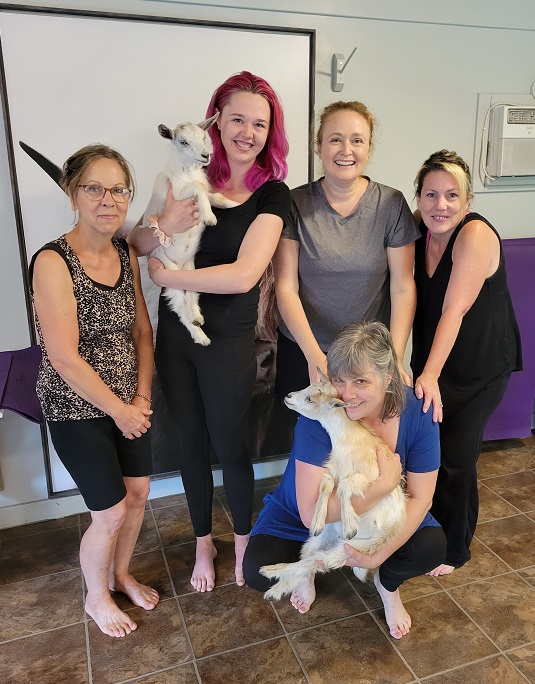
point(97, 457)
point(421, 553)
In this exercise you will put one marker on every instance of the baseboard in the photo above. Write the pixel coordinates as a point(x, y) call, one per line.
point(62, 506)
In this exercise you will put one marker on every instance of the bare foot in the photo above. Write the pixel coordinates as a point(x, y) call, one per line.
point(304, 595)
point(140, 595)
point(397, 618)
point(203, 576)
point(108, 616)
point(240, 544)
point(441, 570)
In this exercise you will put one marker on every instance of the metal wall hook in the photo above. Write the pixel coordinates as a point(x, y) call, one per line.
point(338, 64)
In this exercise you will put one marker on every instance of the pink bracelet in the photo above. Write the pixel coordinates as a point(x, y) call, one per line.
point(163, 238)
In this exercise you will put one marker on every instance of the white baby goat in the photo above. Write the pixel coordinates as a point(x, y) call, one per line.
point(351, 467)
point(190, 152)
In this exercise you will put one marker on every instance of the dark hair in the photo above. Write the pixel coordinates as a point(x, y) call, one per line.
point(270, 164)
point(78, 163)
point(452, 163)
point(341, 106)
point(367, 347)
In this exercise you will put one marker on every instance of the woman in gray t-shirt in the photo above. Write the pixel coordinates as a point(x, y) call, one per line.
point(346, 252)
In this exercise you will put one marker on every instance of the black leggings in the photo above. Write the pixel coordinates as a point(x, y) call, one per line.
point(422, 552)
point(208, 391)
point(456, 500)
point(292, 367)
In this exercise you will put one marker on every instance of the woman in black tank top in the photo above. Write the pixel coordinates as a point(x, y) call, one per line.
point(466, 341)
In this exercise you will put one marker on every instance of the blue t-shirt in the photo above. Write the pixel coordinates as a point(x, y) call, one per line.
point(418, 447)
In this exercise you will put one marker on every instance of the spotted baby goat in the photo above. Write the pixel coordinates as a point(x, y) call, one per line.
point(351, 468)
point(190, 152)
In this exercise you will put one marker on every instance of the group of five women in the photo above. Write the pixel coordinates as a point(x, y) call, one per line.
point(343, 250)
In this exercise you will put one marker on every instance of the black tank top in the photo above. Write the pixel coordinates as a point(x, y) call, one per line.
point(488, 344)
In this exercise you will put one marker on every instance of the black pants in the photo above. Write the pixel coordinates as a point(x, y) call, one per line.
point(208, 391)
point(422, 552)
point(456, 500)
point(292, 367)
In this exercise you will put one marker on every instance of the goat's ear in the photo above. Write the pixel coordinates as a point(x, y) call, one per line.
point(322, 375)
point(165, 132)
point(336, 403)
point(205, 125)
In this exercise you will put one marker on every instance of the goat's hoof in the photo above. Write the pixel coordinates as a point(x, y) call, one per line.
point(210, 220)
point(350, 533)
point(316, 531)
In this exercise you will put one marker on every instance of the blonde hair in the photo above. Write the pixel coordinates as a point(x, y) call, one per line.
point(452, 163)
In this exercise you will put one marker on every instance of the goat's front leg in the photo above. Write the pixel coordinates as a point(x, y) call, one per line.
point(206, 215)
point(354, 484)
point(219, 200)
point(320, 512)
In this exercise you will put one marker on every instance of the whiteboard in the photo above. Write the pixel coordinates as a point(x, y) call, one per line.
point(72, 78)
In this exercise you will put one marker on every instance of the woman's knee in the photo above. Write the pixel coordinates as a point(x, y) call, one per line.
point(110, 520)
point(137, 491)
point(251, 573)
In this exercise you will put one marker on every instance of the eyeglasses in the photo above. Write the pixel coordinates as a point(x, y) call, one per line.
point(97, 192)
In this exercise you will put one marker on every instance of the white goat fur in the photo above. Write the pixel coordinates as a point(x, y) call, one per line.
point(190, 152)
point(351, 468)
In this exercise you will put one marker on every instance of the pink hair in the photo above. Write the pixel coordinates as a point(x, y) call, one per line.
point(271, 162)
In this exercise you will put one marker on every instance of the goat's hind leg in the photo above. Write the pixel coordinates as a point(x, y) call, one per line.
point(180, 303)
point(315, 559)
point(320, 512)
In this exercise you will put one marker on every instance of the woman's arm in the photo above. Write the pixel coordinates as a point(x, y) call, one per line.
point(56, 309)
point(142, 340)
point(285, 269)
point(308, 479)
point(177, 216)
point(420, 490)
point(475, 257)
point(255, 253)
point(403, 300)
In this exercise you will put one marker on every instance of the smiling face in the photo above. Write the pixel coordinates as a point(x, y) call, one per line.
point(105, 215)
point(244, 126)
point(440, 203)
point(365, 394)
point(345, 146)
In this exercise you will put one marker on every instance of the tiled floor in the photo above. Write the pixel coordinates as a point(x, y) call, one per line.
point(477, 625)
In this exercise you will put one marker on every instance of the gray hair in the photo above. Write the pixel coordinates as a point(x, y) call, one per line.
point(367, 347)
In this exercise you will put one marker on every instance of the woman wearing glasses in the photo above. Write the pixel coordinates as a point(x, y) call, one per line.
point(95, 378)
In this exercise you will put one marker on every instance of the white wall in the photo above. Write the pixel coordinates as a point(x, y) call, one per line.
point(419, 66)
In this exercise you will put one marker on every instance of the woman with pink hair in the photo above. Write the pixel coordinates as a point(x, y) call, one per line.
point(208, 389)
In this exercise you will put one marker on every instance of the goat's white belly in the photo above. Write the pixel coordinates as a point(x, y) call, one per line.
point(182, 249)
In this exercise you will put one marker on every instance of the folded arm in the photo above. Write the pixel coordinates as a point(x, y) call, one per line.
point(308, 479)
point(255, 253)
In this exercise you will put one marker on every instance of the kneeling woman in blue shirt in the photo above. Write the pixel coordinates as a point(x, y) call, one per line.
point(362, 366)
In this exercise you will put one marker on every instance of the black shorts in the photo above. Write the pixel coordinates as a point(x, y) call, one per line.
point(97, 457)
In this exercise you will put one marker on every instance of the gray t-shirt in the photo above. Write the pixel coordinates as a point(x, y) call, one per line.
point(343, 266)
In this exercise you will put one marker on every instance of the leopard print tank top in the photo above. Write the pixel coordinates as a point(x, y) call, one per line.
point(105, 318)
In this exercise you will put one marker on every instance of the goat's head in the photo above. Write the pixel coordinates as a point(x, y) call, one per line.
point(191, 142)
point(314, 400)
